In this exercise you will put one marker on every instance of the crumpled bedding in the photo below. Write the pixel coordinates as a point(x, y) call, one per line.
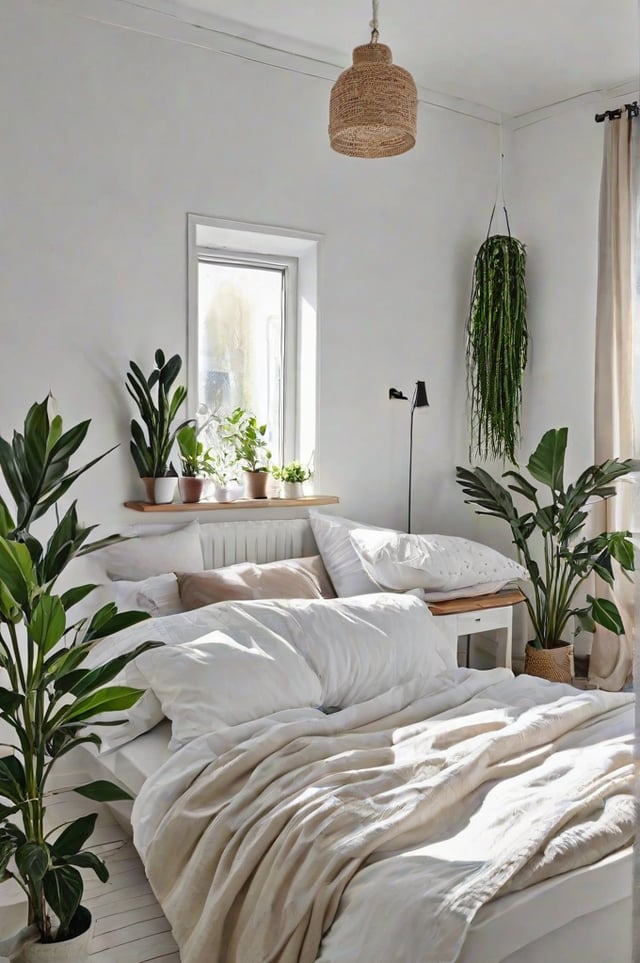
point(378, 832)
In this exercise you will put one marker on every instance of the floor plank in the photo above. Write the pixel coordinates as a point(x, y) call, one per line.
point(129, 925)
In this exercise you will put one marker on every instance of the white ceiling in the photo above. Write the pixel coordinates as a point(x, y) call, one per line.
point(510, 55)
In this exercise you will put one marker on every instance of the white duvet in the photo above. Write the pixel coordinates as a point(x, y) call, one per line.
point(376, 833)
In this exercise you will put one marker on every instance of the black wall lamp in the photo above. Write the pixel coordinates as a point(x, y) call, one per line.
point(419, 400)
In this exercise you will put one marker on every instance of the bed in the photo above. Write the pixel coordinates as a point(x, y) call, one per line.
point(583, 913)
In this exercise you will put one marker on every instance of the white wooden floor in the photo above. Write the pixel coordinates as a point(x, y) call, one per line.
point(129, 926)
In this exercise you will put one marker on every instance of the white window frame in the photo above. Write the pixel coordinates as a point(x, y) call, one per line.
point(251, 244)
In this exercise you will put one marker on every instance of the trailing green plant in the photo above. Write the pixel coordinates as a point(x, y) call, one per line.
point(247, 438)
point(151, 452)
point(224, 467)
point(196, 459)
point(497, 343)
point(557, 518)
point(51, 697)
point(293, 472)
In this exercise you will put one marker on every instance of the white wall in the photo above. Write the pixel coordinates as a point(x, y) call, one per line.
point(555, 186)
point(110, 137)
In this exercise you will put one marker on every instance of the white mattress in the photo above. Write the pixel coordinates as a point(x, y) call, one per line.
point(524, 926)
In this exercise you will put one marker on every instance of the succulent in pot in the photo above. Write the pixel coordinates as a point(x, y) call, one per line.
point(292, 476)
point(241, 431)
point(197, 463)
point(51, 696)
point(549, 535)
point(158, 406)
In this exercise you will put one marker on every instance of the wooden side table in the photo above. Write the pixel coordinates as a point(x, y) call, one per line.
point(484, 613)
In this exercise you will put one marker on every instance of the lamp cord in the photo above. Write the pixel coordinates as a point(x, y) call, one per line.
point(374, 21)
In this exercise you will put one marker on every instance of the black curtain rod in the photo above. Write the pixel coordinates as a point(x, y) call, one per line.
point(632, 111)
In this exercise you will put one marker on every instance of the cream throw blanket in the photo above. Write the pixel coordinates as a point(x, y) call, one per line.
point(401, 817)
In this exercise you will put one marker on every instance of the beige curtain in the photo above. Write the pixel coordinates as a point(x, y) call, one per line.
point(617, 372)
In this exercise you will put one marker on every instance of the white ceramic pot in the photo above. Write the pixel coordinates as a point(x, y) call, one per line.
point(164, 489)
point(69, 951)
point(227, 493)
point(292, 489)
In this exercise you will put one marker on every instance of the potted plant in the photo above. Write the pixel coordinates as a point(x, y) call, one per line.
point(224, 471)
point(197, 463)
point(158, 409)
point(556, 517)
point(248, 440)
point(50, 697)
point(293, 476)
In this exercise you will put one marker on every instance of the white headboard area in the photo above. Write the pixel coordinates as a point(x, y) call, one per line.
point(225, 543)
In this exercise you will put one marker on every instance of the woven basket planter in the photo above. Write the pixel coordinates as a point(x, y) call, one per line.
point(556, 665)
point(374, 106)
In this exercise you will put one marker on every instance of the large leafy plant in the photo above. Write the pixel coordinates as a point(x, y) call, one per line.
point(158, 407)
point(51, 696)
point(556, 517)
point(247, 438)
point(195, 457)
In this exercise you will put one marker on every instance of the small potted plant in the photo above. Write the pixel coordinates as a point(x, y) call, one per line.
point(248, 440)
point(292, 476)
point(158, 408)
point(552, 528)
point(225, 472)
point(197, 464)
point(50, 697)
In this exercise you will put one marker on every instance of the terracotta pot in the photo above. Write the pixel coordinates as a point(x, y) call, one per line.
point(69, 951)
point(164, 489)
point(191, 489)
point(148, 487)
point(255, 484)
point(292, 489)
point(555, 664)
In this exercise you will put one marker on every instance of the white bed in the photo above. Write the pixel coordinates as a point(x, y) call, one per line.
point(583, 915)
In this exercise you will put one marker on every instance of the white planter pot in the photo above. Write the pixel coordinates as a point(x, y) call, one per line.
point(69, 951)
point(227, 493)
point(292, 489)
point(164, 489)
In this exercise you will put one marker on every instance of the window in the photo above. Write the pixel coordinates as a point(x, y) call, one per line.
point(252, 329)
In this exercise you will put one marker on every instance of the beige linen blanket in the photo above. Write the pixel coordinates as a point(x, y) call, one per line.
point(394, 820)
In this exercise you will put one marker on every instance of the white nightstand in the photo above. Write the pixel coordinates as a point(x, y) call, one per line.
point(484, 613)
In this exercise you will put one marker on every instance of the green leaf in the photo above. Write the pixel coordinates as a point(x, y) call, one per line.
point(74, 595)
point(16, 571)
point(32, 860)
point(96, 678)
point(89, 861)
point(111, 699)
point(605, 613)
point(9, 700)
point(103, 791)
point(63, 890)
point(585, 620)
point(74, 836)
point(48, 622)
point(7, 849)
point(547, 462)
point(12, 778)
point(621, 547)
point(7, 524)
point(114, 623)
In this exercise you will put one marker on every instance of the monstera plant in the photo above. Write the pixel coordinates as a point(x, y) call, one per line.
point(549, 534)
point(50, 696)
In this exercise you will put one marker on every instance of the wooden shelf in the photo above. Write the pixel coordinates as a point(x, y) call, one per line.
point(307, 501)
point(477, 603)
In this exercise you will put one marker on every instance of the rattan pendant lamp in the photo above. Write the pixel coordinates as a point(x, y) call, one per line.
point(374, 104)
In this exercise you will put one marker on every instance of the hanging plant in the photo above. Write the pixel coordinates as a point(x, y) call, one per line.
point(497, 341)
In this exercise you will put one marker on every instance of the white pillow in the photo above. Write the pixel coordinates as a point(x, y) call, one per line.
point(471, 591)
point(339, 556)
point(142, 557)
point(222, 680)
point(158, 595)
point(358, 647)
point(147, 712)
point(439, 563)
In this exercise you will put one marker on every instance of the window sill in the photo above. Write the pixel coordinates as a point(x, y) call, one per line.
point(307, 501)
